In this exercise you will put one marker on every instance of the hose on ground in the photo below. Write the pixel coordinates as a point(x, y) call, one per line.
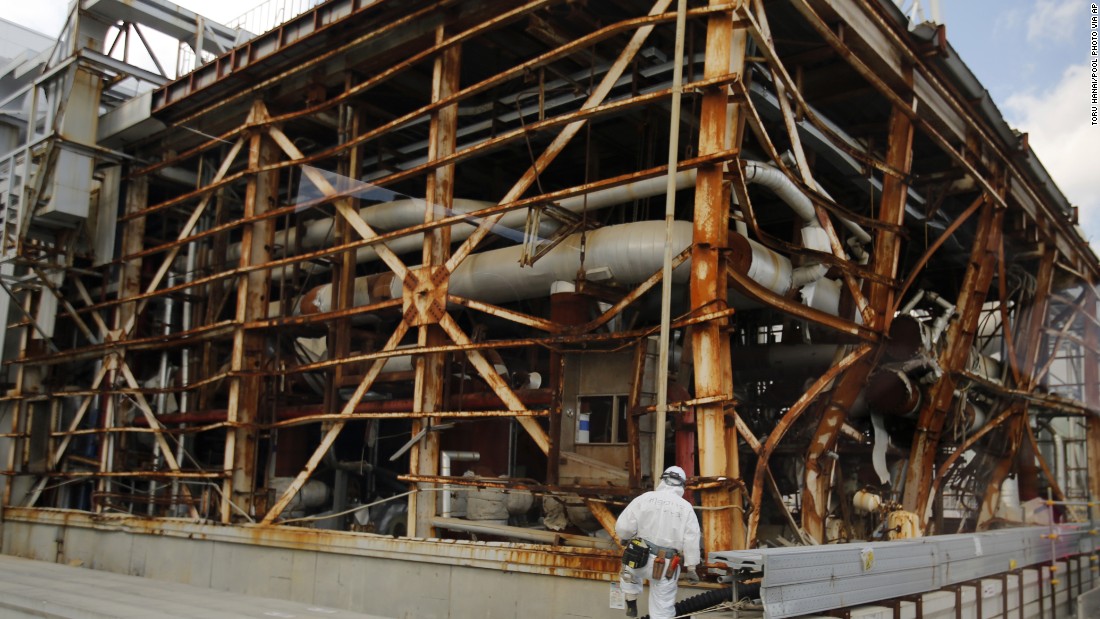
point(703, 601)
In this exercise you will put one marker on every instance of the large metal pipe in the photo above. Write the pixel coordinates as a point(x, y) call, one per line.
point(445, 460)
point(627, 253)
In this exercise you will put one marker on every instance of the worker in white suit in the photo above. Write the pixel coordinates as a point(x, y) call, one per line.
point(667, 528)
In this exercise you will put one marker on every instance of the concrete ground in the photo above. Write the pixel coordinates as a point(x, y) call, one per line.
point(48, 590)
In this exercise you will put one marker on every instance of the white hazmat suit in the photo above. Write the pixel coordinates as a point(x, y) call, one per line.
point(663, 519)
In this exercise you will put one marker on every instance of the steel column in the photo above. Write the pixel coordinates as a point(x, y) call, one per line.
point(725, 51)
point(247, 355)
point(960, 337)
point(431, 372)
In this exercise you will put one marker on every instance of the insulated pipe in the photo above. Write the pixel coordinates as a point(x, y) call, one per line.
point(627, 253)
point(445, 460)
point(774, 179)
point(399, 214)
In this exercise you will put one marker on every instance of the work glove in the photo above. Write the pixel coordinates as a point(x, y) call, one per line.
point(691, 574)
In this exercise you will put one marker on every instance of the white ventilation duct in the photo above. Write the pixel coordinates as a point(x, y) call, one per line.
point(627, 254)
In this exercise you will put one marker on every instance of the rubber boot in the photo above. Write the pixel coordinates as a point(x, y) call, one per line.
point(632, 608)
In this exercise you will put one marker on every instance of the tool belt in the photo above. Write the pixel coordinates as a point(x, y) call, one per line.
point(636, 553)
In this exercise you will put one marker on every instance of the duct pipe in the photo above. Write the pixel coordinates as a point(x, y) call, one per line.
point(399, 214)
point(445, 460)
point(774, 179)
point(627, 253)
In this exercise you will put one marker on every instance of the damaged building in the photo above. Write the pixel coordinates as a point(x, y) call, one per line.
point(396, 301)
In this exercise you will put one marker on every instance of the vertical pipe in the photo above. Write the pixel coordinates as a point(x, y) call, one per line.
point(666, 267)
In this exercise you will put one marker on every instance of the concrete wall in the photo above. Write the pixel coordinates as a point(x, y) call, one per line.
point(388, 586)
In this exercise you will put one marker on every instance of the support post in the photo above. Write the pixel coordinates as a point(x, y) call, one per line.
point(725, 53)
point(248, 348)
point(887, 251)
point(960, 337)
point(431, 368)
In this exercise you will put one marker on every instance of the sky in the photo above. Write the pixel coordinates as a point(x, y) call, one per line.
point(1032, 55)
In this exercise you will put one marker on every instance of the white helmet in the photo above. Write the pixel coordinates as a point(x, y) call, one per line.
point(674, 476)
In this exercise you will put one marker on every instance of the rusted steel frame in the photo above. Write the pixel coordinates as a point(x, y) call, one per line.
point(824, 29)
point(494, 414)
point(1080, 300)
point(517, 317)
point(514, 72)
point(784, 82)
point(495, 142)
point(549, 341)
point(830, 258)
point(558, 144)
point(306, 319)
point(1043, 464)
point(944, 469)
point(784, 424)
point(524, 68)
point(139, 474)
point(1091, 388)
point(129, 324)
point(1059, 336)
point(922, 262)
point(518, 484)
point(430, 374)
point(745, 432)
point(448, 221)
point(885, 256)
point(330, 436)
point(239, 453)
point(203, 194)
point(960, 336)
point(68, 307)
point(166, 450)
point(633, 434)
point(198, 334)
point(1031, 346)
point(405, 20)
point(758, 27)
point(122, 390)
point(718, 121)
point(343, 206)
point(754, 290)
point(59, 451)
point(1035, 400)
point(1072, 338)
point(604, 516)
point(567, 118)
point(630, 298)
point(496, 383)
point(88, 301)
point(965, 109)
point(1006, 324)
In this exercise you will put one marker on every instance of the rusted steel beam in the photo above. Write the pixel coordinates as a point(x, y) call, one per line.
point(247, 354)
point(517, 317)
point(1030, 345)
point(884, 260)
point(170, 259)
point(960, 338)
point(431, 375)
point(1091, 387)
point(793, 413)
point(725, 54)
point(604, 516)
point(334, 431)
point(496, 383)
point(343, 205)
point(558, 144)
point(922, 262)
